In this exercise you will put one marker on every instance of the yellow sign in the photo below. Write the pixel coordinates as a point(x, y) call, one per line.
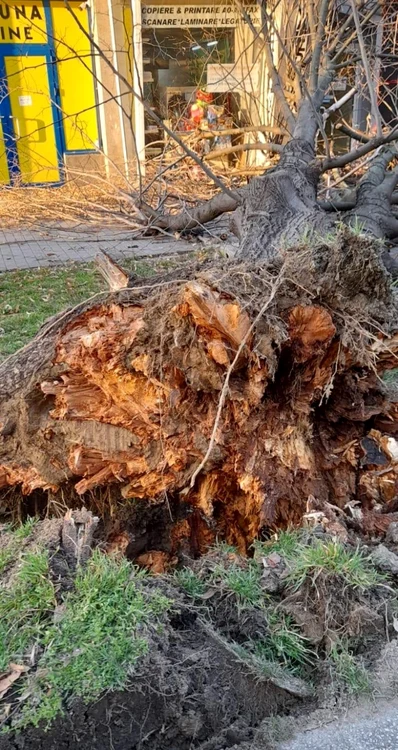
point(215, 15)
point(23, 23)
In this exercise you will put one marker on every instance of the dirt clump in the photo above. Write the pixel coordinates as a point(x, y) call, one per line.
point(218, 661)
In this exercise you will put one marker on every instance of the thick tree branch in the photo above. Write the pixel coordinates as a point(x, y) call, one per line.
point(390, 181)
point(275, 148)
point(199, 215)
point(376, 173)
point(347, 204)
point(371, 145)
point(308, 96)
point(307, 124)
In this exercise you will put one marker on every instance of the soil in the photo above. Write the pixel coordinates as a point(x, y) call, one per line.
point(189, 693)
point(192, 691)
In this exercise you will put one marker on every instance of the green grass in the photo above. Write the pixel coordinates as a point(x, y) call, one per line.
point(190, 582)
point(350, 670)
point(285, 644)
point(242, 582)
point(332, 558)
point(25, 529)
point(92, 647)
point(285, 543)
point(6, 556)
point(28, 298)
point(227, 576)
point(16, 535)
point(98, 640)
point(307, 557)
point(25, 608)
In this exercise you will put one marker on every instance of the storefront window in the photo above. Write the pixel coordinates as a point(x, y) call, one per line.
point(176, 64)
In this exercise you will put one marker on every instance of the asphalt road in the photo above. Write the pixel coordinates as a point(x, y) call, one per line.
point(378, 732)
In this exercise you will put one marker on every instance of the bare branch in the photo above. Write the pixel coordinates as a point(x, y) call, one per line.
point(343, 159)
point(276, 148)
point(308, 103)
point(318, 47)
point(366, 66)
point(357, 135)
point(275, 77)
point(339, 103)
point(194, 217)
point(353, 35)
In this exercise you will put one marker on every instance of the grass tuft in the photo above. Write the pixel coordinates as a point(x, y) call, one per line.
point(350, 670)
point(98, 640)
point(285, 543)
point(25, 529)
point(243, 582)
point(7, 555)
point(332, 558)
point(285, 644)
point(24, 609)
point(190, 582)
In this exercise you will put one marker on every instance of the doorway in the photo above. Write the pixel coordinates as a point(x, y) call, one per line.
point(30, 152)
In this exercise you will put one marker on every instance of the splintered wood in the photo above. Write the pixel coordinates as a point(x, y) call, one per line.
point(123, 407)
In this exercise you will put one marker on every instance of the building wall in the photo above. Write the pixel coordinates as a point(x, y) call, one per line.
point(65, 113)
point(92, 122)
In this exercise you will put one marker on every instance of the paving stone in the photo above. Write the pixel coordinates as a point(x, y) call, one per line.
point(32, 248)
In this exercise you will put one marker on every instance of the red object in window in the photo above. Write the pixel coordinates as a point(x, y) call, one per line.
point(204, 96)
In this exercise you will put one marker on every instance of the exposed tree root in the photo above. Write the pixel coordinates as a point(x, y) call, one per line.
point(266, 381)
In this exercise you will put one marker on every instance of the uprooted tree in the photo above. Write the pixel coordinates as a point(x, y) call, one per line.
point(236, 395)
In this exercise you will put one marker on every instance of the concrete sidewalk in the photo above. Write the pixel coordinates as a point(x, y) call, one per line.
point(50, 246)
point(376, 732)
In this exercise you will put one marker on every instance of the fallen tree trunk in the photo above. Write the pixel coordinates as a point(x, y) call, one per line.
point(235, 393)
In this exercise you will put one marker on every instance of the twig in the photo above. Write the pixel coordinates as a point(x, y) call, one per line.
point(274, 288)
point(365, 63)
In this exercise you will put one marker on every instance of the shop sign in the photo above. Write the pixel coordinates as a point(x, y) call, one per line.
point(233, 77)
point(24, 22)
point(178, 16)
